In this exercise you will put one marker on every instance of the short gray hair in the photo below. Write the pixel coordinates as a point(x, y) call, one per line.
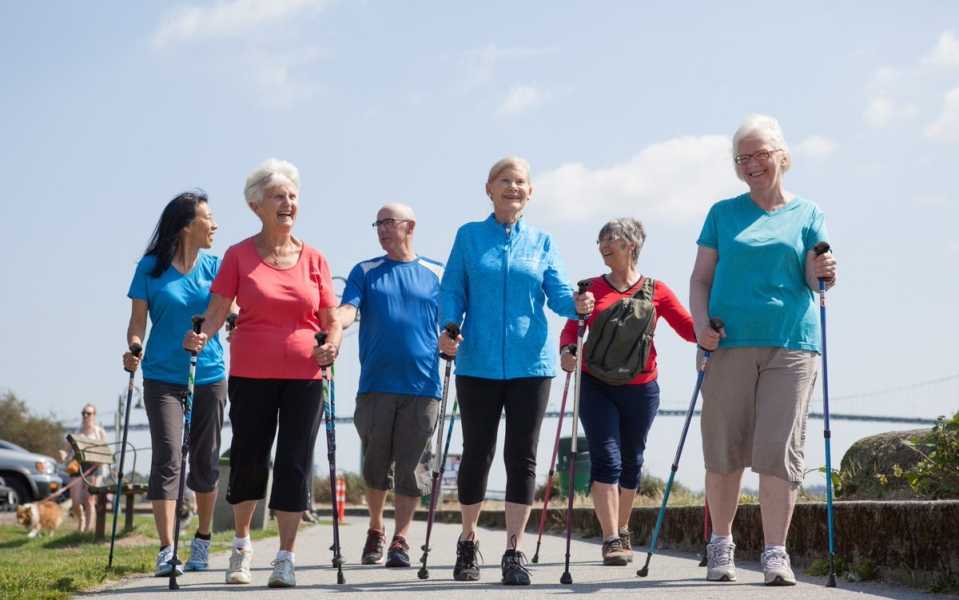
point(765, 128)
point(265, 174)
point(505, 163)
point(629, 229)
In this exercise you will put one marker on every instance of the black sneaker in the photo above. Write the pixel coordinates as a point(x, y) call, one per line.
point(399, 553)
point(514, 568)
point(373, 549)
point(466, 568)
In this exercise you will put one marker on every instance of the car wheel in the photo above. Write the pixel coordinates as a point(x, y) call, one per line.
point(21, 493)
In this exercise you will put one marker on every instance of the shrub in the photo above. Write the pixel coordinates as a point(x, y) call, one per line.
point(936, 475)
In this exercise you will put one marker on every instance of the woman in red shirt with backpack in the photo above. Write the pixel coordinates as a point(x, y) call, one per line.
point(619, 396)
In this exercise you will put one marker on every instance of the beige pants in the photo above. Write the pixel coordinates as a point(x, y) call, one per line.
point(755, 402)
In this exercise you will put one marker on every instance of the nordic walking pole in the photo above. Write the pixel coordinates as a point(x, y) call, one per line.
point(717, 325)
point(820, 249)
point(184, 454)
point(439, 460)
point(135, 350)
point(707, 532)
point(567, 577)
point(549, 477)
point(329, 412)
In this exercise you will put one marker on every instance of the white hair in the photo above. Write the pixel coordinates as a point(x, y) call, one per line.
point(629, 229)
point(265, 175)
point(510, 161)
point(765, 128)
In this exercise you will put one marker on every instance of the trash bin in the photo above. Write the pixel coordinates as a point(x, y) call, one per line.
point(223, 510)
point(581, 482)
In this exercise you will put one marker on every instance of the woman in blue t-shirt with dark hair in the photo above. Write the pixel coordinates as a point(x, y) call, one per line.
point(171, 284)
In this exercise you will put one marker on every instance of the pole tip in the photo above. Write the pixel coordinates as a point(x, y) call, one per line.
point(423, 573)
point(339, 578)
point(643, 572)
point(566, 579)
point(535, 559)
point(831, 582)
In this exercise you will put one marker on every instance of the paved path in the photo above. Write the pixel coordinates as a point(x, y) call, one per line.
point(672, 576)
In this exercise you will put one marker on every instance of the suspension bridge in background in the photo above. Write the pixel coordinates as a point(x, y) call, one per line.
point(847, 407)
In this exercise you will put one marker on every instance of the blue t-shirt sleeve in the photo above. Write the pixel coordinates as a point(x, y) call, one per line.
point(709, 237)
point(559, 294)
point(355, 283)
point(816, 231)
point(138, 287)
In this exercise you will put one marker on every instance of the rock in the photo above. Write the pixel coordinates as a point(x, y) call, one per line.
point(868, 469)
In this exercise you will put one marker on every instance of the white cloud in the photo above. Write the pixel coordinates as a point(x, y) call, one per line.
point(479, 65)
point(946, 127)
point(946, 52)
point(226, 17)
point(522, 98)
point(882, 110)
point(815, 146)
point(675, 180)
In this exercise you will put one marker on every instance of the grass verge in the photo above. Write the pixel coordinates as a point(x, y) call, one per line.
point(51, 568)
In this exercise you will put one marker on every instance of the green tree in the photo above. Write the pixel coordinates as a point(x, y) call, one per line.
point(36, 434)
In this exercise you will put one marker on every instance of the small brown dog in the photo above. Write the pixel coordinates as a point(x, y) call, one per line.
point(41, 516)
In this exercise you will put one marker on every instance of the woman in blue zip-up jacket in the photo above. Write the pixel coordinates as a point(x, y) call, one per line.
point(500, 273)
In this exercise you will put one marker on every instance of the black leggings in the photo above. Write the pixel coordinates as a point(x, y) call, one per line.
point(291, 410)
point(481, 404)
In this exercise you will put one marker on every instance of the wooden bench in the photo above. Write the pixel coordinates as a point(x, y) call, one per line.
point(93, 452)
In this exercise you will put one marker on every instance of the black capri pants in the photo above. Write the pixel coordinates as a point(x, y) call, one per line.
point(290, 410)
point(482, 402)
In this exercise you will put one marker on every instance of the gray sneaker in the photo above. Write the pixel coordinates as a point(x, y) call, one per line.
point(776, 568)
point(282, 575)
point(239, 569)
point(199, 556)
point(163, 567)
point(719, 562)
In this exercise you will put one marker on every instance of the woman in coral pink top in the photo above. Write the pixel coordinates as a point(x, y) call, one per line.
point(285, 293)
point(617, 418)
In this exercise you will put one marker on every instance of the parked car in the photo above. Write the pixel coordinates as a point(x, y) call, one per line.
point(7, 497)
point(31, 476)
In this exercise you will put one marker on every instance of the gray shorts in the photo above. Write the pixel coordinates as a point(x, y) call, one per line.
point(395, 433)
point(164, 406)
point(755, 402)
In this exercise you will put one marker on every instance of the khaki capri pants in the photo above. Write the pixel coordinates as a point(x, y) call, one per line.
point(755, 403)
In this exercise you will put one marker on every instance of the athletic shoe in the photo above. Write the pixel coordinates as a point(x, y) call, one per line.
point(373, 549)
point(613, 553)
point(199, 556)
point(163, 566)
point(776, 568)
point(514, 568)
point(399, 553)
point(719, 561)
point(282, 575)
point(239, 570)
point(466, 567)
point(626, 539)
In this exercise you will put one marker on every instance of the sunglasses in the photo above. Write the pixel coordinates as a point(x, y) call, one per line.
point(87, 413)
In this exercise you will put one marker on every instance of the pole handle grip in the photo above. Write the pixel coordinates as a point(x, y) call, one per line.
point(716, 323)
point(821, 248)
point(198, 323)
point(136, 349)
point(231, 321)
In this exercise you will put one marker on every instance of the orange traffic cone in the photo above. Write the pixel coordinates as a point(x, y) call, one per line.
point(340, 499)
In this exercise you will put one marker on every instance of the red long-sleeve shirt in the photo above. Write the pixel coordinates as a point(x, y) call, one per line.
point(667, 306)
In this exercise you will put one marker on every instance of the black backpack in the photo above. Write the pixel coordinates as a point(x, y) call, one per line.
point(621, 337)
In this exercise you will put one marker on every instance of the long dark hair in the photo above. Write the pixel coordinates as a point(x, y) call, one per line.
point(165, 240)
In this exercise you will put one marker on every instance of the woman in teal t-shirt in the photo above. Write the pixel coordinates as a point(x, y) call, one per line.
point(171, 284)
point(757, 271)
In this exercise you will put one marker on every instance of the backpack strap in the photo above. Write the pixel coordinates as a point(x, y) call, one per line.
point(646, 290)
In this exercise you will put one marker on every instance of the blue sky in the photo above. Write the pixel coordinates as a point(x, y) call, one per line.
point(110, 109)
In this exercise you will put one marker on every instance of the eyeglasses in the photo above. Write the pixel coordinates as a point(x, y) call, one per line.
point(389, 222)
point(87, 413)
point(761, 156)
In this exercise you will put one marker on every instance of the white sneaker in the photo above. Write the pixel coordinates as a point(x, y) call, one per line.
point(282, 575)
point(720, 565)
point(163, 567)
point(776, 568)
point(239, 570)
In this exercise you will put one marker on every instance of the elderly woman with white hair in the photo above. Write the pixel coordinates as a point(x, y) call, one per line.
point(284, 290)
point(757, 271)
point(619, 393)
point(500, 275)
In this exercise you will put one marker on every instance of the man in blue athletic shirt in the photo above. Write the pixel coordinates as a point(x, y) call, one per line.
point(396, 404)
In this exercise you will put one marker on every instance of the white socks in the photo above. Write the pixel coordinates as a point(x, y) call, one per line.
point(286, 555)
point(721, 539)
point(242, 543)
